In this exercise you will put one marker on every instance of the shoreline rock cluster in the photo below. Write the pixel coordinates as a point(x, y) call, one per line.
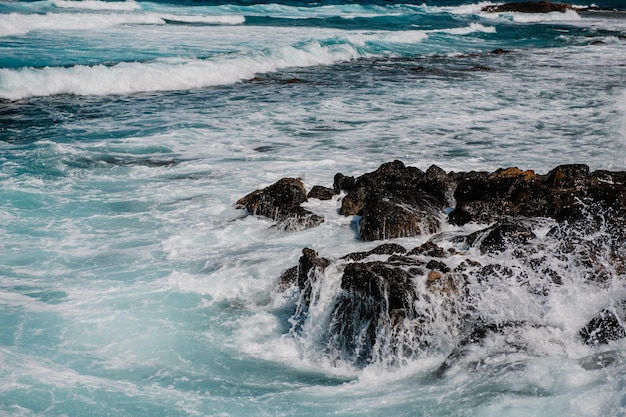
point(396, 302)
point(537, 7)
point(399, 201)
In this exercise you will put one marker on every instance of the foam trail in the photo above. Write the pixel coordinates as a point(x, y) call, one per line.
point(20, 24)
point(472, 28)
point(128, 78)
point(97, 5)
point(223, 19)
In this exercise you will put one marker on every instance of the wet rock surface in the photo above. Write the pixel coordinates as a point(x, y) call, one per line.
point(281, 202)
point(529, 7)
point(510, 235)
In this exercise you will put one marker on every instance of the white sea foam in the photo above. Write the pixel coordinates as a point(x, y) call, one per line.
point(19, 24)
point(127, 78)
point(127, 5)
point(14, 24)
point(218, 19)
point(472, 28)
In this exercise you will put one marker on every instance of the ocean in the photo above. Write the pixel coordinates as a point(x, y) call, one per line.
point(132, 285)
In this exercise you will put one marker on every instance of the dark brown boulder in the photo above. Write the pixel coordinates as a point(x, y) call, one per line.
point(375, 296)
point(300, 274)
point(391, 178)
point(322, 193)
point(386, 216)
point(428, 249)
point(392, 201)
point(341, 182)
point(501, 236)
point(529, 7)
point(281, 202)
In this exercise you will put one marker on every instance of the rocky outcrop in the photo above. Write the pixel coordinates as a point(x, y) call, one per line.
point(281, 202)
point(529, 234)
point(528, 7)
point(564, 194)
point(395, 201)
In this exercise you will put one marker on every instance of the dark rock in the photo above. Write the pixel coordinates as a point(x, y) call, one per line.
point(353, 203)
point(298, 218)
point(288, 278)
point(309, 261)
point(602, 329)
point(500, 237)
point(375, 296)
point(428, 249)
point(459, 217)
point(481, 68)
point(341, 182)
point(281, 202)
point(300, 275)
point(392, 202)
point(528, 7)
point(391, 178)
point(500, 51)
point(568, 176)
point(386, 216)
point(407, 304)
point(284, 194)
point(438, 184)
point(384, 249)
point(437, 266)
point(322, 193)
point(507, 191)
point(265, 148)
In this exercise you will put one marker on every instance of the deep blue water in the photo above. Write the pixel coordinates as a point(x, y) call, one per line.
point(130, 285)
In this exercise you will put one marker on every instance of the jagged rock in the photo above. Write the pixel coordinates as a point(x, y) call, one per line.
point(308, 261)
point(602, 329)
point(403, 302)
point(563, 194)
point(375, 296)
point(392, 178)
point(528, 7)
point(341, 182)
point(384, 249)
point(392, 201)
point(322, 193)
point(299, 274)
point(281, 202)
point(429, 249)
point(501, 236)
point(386, 216)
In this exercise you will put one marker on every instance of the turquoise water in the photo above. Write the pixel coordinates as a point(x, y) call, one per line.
point(130, 285)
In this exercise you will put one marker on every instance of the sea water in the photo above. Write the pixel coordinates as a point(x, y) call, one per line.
point(131, 285)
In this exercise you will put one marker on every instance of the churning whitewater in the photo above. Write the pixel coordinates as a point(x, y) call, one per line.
point(409, 270)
